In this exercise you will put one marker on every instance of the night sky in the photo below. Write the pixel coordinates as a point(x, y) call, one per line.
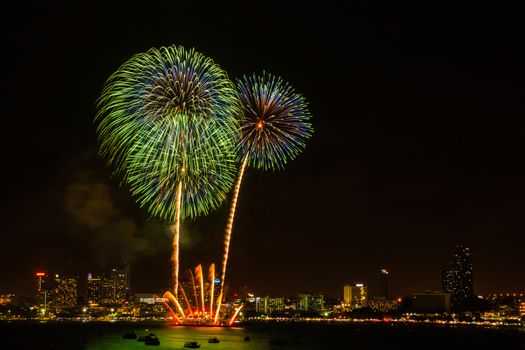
point(418, 145)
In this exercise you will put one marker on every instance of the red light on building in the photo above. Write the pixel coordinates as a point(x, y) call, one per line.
point(40, 273)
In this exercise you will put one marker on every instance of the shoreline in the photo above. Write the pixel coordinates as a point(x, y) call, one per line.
point(281, 322)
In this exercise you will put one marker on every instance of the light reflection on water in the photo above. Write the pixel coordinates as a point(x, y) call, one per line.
point(174, 338)
point(293, 336)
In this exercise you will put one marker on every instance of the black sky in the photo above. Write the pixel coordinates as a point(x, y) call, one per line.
point(418, 144)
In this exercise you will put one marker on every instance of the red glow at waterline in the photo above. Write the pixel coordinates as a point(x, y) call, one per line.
point(195, 302)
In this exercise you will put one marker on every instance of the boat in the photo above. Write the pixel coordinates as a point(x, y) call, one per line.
point(129, 335)
point(152, 340)
point(213, 340)
point(192, 345)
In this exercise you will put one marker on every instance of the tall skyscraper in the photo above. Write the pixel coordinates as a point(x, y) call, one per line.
point(64, 292)
point(40, 281)
point(104, 290)
point(355, 295)
point(108, 291)
point(94, 290)
point(121, 281)
point(457, 277)
point(42, 289)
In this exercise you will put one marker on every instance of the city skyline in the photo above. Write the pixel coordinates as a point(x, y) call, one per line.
point(456, 279)
point(417, 147)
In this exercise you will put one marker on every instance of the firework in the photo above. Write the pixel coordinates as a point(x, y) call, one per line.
point(274, 127)
point(199, 313)
point(167, 125)
point(274, 122)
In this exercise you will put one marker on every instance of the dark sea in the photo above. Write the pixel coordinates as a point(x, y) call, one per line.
point(93, 335)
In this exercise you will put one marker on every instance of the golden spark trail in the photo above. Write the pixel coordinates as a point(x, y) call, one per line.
point(198, 272)
point(176, 233)
point(229, 225)
point(171, 297)
point(194, 291)
point(235, 315)
point(212, 285)
point(186, 299)
point(219, 302)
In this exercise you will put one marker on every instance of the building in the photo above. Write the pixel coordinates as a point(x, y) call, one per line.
point(100, 290)
point(382, 304)
point(94, 290)
point(64, 292)
point(112, 290)
point(149, 305)
point(43, 286)
point(108, 291)
point(431, 302)
point(457, 277)
point(121, 281)
point(310, 302)
point(55, 291)
point(355, 295)
point(507, 304)
point(268, 305)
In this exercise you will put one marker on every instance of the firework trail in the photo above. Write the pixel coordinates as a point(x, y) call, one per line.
point(167, 125)
point(232, 319)
point(274, 127)
point(229, 225)
point(211, 276)
point(175, 229)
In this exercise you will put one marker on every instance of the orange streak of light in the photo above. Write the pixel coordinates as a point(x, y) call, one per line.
point(172, 313)
point(171, 297)
point(235, 315)
point(194, 290)
point(186, 299)
point(198, 273)
point(176, 233)
point(212, 285)
point(219, 301)
point(229, 225)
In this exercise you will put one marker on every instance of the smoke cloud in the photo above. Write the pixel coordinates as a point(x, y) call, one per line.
point(101, 221)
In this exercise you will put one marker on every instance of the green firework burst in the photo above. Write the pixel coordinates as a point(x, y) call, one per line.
point(168, 116)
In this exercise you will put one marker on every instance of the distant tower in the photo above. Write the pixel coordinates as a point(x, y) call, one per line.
point(65, 291)
point(457, 277)
point(94, 290)
point(355, 295)
point(121, 280)
point(40, 281)
point(383, 283)
point(42, 286)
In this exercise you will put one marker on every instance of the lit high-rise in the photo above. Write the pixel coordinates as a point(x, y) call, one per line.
point(64, 293)
point(355, 295)
point(311, 302)
point(457, 277)
point(121, 281)
point(94, 290)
